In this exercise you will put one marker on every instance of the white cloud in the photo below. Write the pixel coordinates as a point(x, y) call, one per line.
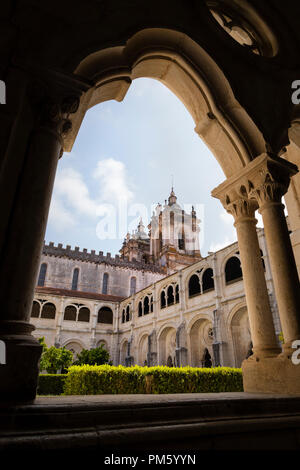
point(71, 197)
point(59, 216)
point(72, 189)
point(112, 176)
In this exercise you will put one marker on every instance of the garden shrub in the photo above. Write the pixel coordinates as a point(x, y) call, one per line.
point(106, 379)
point(51, 384)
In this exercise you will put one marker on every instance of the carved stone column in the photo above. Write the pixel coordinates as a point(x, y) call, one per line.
point(181, 349)
point(270, 184)
point(257, 299)
point(263, 181)
point(24, 236)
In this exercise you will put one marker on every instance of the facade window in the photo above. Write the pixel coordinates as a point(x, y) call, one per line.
point(208, 280)
point(42, 275)
point(140, 309)
point(163, 299)
point(177, 294)
point(170, 295)
point(105, 315)
point(151, 304)
point(127, 313)
point(123, 316)
point(70, 313)
point(194, 285)
point(233, 270)
point(35, 312)
point(84, 314)
point(48, 310)
point(105, 283)
point(146, 305)
point(132, 285)
point(75, 279)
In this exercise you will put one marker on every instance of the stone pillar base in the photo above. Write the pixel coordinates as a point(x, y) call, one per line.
point(19, 374)
point(271, 375)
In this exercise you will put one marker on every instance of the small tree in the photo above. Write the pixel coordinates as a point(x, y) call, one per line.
point(93, 357)
point(54, 359)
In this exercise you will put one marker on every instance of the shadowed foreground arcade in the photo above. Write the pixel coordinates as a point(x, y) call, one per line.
point(232, 64)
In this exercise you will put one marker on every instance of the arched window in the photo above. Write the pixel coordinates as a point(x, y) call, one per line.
point(75, 279)
point(170, 295)
point(233, 271)
point(105, 315)
point(177, 294)
point(146, 305)
point(105, 283)
point(140, 309)
point(151, 304)
point(162, 299)
point(208, 280)
point(42, 275)
point(35, 312)
point(84, 314)
point(132, 285)
point(194, 285)
point(48, 310)
point(70, 313)
point(123, 316)
point(127, 313)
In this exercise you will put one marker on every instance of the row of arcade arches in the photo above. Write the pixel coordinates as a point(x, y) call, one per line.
point(200, 341)
point(73, 312)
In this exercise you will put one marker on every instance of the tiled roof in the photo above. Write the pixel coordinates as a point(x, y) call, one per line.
point(76, 293)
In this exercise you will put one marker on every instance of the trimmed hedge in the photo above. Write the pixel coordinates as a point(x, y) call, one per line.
point(105, 379)
point(51, 384)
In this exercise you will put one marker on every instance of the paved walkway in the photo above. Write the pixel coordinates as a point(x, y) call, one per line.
point(152, 398)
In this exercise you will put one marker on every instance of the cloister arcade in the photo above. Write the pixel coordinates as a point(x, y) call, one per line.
point(53, 81)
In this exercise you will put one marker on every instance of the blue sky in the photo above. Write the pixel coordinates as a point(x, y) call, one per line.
point(122, 163)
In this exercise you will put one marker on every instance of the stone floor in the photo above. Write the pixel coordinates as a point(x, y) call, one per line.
point(181, 422)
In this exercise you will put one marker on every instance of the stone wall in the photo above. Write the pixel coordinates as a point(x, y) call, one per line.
point(211, 326)
point(61, 263)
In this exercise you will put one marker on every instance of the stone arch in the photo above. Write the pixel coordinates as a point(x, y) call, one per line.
point(84, 314)
point(167, 345)
point(70, 313)
point(48, 310)
point(104, 344)
point(143, 350)
point(163, 300)
point(123, 352)
point(240, 334)
point(194, 287)
point(194, 77)
point(207, 279)
point(36, 309)
point(233, 270)
point(75, 346)
point(200, 340)
point(170, 295)
point(105, 315)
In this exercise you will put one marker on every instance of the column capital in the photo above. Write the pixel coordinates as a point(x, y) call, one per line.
point(54, 97)
point(266, 178)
